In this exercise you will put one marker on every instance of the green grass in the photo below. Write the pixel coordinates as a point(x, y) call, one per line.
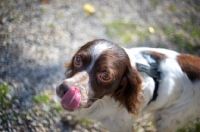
point(85, 122)
point(186, 36)
point(59, 15)
point(183, 43)
point(193, 30)
point(192, 127)
point(45, 98)
point(58, 108)
point(51, 25)
point(154, 3)
point(126, 31)
point(197, 9)
point(172, 8)
point(3, 91)
point(4, 103)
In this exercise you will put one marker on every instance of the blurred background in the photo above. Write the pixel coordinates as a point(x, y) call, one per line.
point(38, 36)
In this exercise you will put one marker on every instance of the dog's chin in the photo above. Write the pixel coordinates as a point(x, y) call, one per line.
point(85, 106)
point(88, 105)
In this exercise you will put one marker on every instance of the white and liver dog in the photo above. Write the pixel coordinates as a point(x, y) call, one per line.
point(114, 85)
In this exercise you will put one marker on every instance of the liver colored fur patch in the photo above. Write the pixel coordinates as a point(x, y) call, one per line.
point(155, 55)
point(190, 65)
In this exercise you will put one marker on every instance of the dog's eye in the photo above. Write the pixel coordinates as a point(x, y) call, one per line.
point(78, 61)
point(104, 76)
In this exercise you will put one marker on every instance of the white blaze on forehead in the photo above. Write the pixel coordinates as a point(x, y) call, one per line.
point(97, 50)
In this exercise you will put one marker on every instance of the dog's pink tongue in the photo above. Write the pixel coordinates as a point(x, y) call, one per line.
point(71, 99)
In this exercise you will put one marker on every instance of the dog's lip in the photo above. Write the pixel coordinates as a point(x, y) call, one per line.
point(88, 105)
point(67, 108)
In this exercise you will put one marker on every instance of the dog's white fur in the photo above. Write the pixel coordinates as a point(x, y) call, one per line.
point(178, 98)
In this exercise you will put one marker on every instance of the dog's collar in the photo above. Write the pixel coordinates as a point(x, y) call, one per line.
point(154, 72)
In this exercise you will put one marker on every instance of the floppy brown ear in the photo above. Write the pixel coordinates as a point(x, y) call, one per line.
point(129, 91)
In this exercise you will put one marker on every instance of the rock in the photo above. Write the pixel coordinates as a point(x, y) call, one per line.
point(16, 101)
point(8, 96)
point(16, 111)
point(69, 117)
point(3, 20)
point(9, 124)
point(45, 122)
point(28, 117)
point(34, 123)
point(19, 120)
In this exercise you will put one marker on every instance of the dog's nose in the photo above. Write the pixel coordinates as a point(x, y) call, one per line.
point(62, 89)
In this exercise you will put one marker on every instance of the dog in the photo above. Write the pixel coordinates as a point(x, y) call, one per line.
point(115, 85)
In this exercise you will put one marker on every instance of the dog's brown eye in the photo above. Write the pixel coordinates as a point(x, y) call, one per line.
point(104, 76)
point(78, 61)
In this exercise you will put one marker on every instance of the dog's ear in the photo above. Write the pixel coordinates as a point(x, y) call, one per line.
point(129, 92)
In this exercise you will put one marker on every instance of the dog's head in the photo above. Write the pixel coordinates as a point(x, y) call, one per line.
point(98, 69)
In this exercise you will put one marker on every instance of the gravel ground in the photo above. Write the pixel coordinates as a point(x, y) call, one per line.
point(36, 39)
